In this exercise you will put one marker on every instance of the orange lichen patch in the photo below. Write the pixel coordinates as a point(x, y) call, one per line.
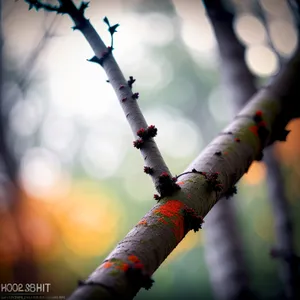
point(133, 258)
point(171, 213)
point(180, 182)
point(170, 208)
point(179, 228)
point(255, 174)
point(107, 265)
point(254, 129)
point(123, 266)
point(116, 264)
point(142, 222)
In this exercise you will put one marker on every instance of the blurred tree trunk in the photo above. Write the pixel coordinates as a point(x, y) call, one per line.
point(224, 252)
point(24, 268)
point(240, 84)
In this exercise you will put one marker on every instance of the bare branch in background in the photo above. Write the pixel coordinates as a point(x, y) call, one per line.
point(234, 66)
point(24, 268)
point(30, 63)
point(223, 242)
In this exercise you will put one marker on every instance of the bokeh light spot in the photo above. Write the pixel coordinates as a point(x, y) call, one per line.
point(249, 29)
point(261, 60)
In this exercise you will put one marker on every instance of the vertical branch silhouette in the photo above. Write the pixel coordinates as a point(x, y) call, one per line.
point(241, 82)
point(230, 280)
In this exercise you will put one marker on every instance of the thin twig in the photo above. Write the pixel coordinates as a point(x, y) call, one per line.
point(30, 63)
point(103, 55)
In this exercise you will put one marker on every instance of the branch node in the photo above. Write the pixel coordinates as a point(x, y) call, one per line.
point(48, 7)
point(135, 96)
point(95, 59)
point(138, 143)
point(167, 186)
point(230, 192)
point(137, 274)
point(112, 29)
point(192, 220)
point(148, 170)
point(83, 7)
point(156, 197)
point(130, 81)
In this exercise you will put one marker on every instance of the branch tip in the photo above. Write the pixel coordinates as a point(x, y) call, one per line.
point(83, 6)
point(138, 143)
point(230, 192)
point(148, 170)
point(135, 96)
point(37, 5)
point(131, 81)
point(137, 274)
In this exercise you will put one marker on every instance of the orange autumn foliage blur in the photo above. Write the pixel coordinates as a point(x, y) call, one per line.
point(256, 174)
point(84, 222)
point(289, 151)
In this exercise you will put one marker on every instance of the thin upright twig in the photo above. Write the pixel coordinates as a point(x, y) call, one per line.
point(155, 165)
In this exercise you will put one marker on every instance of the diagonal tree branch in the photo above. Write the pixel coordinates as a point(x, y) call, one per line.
point(155, 165)
point(234, 67)
point(130, 265)
point(163, 227)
